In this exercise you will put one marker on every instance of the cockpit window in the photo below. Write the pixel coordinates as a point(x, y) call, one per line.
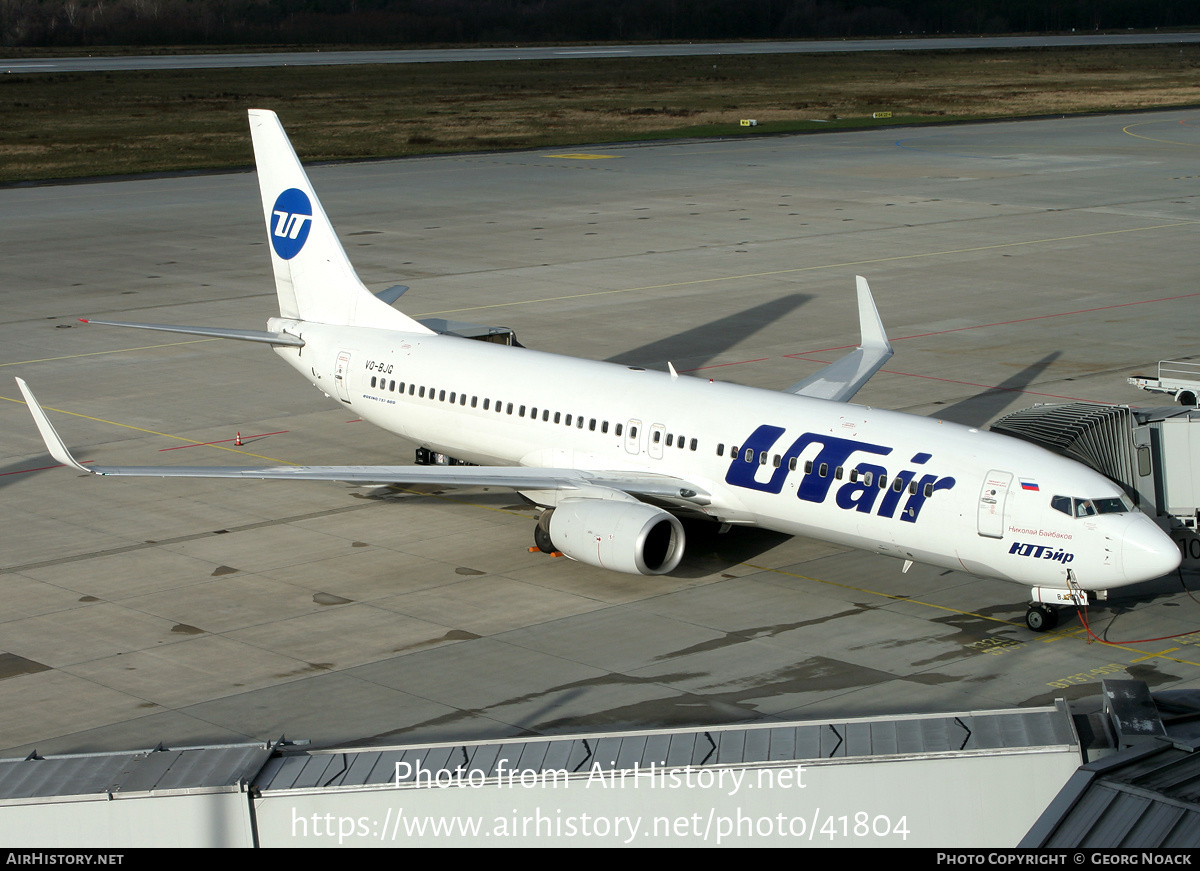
point(1076, 507)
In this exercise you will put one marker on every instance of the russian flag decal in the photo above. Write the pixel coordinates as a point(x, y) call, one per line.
point(1029, 485)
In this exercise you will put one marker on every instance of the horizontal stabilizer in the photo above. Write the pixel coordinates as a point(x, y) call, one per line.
point(263, 336)
point(843, 378)
point(391, 294)
point(641, 484)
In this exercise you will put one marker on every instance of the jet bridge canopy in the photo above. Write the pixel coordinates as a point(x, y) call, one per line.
point(1099, 436)
point(1152, 453)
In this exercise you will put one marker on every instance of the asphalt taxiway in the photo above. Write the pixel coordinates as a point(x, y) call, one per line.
point(1012, 263)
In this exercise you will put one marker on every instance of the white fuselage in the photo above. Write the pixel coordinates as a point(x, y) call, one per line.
point(882, 481)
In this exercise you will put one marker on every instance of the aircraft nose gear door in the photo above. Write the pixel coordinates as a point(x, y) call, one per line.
point(991, 503)
point(341, 374)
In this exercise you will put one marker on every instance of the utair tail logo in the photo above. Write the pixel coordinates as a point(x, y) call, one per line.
point(292, 219)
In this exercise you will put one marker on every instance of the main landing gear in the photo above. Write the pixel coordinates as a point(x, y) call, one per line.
point(541, 539)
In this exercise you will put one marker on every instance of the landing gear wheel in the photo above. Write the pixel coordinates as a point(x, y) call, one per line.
point(1041, 618)
point(542, 539)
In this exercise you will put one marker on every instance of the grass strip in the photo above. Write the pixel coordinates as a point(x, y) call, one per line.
point(70, 125)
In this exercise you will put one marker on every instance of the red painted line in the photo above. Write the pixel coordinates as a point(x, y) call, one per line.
point(965, 383)
point(991, 386)
point(1081, 311)
point(223, 441)
point(40, 468)
point(356, 420)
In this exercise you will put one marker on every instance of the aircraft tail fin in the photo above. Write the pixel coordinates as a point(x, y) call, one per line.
point(313, 276)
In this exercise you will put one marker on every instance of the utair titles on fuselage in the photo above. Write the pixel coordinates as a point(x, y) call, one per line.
point(614, 453)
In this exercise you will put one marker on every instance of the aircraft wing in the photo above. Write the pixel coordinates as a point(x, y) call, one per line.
point(843, 378)
point(638, 484)
point(262, 336)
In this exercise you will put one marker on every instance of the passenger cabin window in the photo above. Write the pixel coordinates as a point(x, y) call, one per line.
point(618, 429)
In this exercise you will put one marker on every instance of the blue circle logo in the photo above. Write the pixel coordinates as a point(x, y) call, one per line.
point(291, 219)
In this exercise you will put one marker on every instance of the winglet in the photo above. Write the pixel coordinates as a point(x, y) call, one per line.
point(843, 378)
point(870, 325)
point(54, 444)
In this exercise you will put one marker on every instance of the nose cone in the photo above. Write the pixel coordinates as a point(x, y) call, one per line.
point(1147, 551)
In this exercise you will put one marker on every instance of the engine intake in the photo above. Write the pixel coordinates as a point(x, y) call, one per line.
point(621, 536)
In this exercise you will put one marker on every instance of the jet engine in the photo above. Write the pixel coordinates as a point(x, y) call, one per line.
point(622, 536)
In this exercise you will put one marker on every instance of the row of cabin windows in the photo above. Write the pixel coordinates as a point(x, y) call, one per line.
point(868, 478)
point(672, 440)
point(578, 421)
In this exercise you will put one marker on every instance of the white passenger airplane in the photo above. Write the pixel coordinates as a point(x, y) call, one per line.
point(614, 453)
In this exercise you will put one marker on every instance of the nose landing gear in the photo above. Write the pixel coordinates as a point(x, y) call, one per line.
point(1040, 617)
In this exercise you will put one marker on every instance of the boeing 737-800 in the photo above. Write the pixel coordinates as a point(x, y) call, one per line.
point(614, 454)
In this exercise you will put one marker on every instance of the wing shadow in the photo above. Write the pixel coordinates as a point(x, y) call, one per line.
point(985, 407)
point(693, 348)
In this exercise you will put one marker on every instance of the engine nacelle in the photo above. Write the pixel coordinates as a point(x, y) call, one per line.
point(622, 536)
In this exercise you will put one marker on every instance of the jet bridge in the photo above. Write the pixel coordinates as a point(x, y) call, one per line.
point(1152, 453)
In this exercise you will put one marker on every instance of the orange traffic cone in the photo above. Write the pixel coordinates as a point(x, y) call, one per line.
point(238, 441)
